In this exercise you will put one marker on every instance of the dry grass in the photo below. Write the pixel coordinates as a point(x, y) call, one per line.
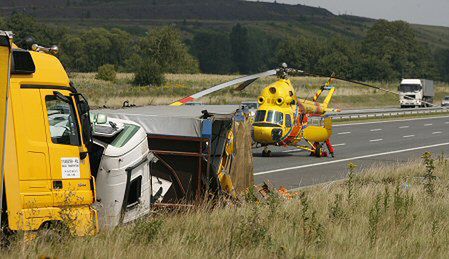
point(397, 211)
point(113, 94)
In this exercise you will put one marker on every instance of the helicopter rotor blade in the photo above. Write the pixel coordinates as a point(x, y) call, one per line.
point(367, 85)
point(219, 87)
point(380, 89)
point(242, 86)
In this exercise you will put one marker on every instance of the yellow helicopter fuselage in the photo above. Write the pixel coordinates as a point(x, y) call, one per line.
point(282, 118)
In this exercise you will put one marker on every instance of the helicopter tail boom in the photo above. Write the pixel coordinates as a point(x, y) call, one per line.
point(328, 98)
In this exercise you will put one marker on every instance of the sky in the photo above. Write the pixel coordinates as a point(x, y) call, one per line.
point(431, 12)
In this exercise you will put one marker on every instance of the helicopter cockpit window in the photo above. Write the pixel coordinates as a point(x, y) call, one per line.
point(275, 117)
point(288, 120)
point(260, 115)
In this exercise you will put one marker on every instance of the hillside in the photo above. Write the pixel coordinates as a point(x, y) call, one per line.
point(192, 15)
point(162, 10)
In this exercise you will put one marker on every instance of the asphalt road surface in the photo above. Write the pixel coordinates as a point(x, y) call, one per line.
point(365, 144)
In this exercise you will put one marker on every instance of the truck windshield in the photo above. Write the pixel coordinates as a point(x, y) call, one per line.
point(127, 133)
point(446, 98)
point(409, 88)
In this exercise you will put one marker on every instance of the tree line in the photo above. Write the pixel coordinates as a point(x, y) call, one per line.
point(389, 51)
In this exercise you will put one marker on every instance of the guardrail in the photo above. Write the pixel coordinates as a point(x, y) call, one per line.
point(381, 113)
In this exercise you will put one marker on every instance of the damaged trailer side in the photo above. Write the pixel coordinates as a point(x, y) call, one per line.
point(198, 153)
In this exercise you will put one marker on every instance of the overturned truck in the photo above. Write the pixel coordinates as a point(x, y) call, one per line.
point(159, 156)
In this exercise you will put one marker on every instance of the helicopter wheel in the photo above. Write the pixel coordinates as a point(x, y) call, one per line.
point(318, 150)
point(266, 153)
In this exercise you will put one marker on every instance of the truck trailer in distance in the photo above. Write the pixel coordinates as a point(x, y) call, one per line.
point(416, 93)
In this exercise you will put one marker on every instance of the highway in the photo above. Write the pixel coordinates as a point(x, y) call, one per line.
point(365, 144)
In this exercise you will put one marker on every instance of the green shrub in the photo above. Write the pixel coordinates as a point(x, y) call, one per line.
point(149, 73)
point(106, 72)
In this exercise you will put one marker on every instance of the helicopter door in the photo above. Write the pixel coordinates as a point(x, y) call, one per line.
point(288, 121)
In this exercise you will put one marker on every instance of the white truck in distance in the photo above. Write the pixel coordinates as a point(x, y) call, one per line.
point(416, 93)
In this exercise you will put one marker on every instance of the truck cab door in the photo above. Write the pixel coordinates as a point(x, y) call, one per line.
point(69, 161)
point(5, 60)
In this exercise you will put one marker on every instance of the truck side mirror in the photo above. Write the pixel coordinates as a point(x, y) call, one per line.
point(61, 97)
point(83, 107)
point(83, 110)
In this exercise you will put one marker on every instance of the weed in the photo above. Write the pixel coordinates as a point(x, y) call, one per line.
point(274, 201)
point(252, 230)
point(250, 195)
point(386, 198)
point(144, 231)
point(429, 176)
point(401, 204)
point(312, 230)
point(336, 211)
point(350, 181)
point(442, 161)
point(373, 220)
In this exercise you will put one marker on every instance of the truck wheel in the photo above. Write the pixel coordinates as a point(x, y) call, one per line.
point(6, 237)
point(52, 230)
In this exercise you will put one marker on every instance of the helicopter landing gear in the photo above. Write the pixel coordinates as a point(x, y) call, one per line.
point(318, 150)
point(266, 152)
point(330, 147)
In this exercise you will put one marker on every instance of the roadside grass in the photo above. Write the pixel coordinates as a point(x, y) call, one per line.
point(113, 94)
point(395, 211)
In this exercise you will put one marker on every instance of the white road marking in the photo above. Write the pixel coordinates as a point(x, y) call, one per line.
point(298, 150)
point(386, 121)
point(375, 130)
point(436, 132)
point(447, 122)
point(428, 124)
point(404, 127)
point(376, 140)
point(350, 159)
point(344, 133)
point(408, 136)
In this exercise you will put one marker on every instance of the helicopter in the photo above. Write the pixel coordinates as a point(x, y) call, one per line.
point(282, 118)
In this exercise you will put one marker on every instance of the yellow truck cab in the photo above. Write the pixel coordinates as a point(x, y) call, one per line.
point(47, 175)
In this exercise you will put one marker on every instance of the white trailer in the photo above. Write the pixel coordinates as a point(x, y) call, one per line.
point(416, 93)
